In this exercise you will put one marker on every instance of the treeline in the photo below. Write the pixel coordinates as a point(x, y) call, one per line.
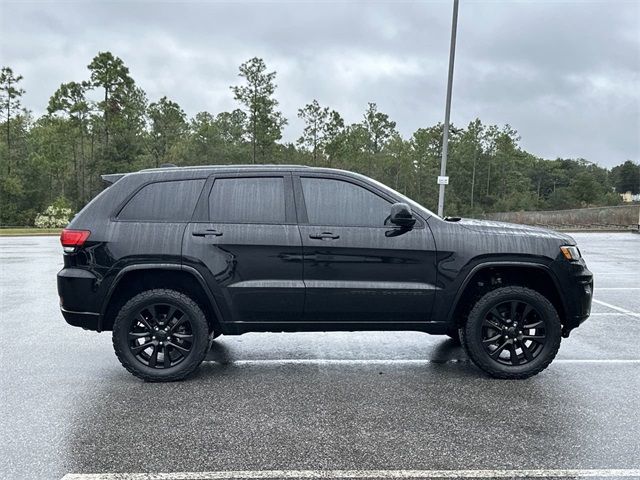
point(104, 123)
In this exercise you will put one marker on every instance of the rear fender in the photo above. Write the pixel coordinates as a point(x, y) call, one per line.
point(160, 267)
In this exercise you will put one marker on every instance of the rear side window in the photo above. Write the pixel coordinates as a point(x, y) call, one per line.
point(339, 203)
point(172, 201)
point(247, 200)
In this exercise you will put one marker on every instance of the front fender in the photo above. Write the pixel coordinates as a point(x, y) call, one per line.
point(453, 287)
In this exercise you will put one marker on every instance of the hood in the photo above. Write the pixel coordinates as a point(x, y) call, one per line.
point(504, 228)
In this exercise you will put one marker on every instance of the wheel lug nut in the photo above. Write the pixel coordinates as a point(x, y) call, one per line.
point(153, 338)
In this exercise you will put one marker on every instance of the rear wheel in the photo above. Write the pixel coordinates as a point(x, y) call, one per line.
point(161, 335)
point(512, 332)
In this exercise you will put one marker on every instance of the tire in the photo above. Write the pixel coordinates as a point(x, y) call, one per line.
point(177, 340)
point(512, 343)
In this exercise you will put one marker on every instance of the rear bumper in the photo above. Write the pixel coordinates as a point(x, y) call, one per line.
point(86, 320)
point(79, 300)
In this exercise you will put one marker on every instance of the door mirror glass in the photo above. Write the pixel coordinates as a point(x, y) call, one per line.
point(401, 215)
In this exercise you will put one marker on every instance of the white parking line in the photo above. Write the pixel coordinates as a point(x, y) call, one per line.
point(597, 360)
point(362, 474)
point(616, 288)
point(597, 274)
point(398, 361)
point(607, 314)
point(615, 307)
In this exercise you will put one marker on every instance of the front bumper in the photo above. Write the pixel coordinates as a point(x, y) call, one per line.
point(578, 292)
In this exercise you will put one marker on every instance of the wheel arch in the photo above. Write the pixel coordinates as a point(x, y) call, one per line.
point(134, 279)
point(487, 276)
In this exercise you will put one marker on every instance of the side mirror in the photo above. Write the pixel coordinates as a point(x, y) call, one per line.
point(401, 215)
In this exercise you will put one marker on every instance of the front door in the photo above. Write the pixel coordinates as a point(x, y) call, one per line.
point(355, 269)
point(248, 247)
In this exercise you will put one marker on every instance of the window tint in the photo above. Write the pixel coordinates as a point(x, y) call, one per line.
point(247, 200)
point(163, 202)
point(335, 202)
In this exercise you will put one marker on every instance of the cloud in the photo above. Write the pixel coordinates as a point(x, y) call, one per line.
point(564, 74)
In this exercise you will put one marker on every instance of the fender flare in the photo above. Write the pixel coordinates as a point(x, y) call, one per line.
point(158, 266)
point(506, 263)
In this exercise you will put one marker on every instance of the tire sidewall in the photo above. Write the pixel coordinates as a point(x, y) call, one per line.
point(199, 328)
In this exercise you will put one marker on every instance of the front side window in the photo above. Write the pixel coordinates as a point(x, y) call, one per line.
point(340, 203)
point(171, 201)
point(247, 200)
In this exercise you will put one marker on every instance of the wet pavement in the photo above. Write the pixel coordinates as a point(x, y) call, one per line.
point(314, 401)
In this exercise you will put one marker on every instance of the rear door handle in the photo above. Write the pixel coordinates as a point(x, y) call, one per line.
point(323, 235)
point(204, 233)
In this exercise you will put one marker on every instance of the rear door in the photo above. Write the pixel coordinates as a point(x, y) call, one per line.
point(245, 240)
point(354, 270)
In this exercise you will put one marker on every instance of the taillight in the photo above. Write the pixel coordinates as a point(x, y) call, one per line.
point(71, 239)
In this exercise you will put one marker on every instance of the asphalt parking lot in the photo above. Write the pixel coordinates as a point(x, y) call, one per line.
point(376, 403)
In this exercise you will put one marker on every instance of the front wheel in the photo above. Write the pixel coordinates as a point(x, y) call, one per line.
point(512, 332)
point(161, 335)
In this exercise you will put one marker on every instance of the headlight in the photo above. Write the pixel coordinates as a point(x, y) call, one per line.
point(570, 252)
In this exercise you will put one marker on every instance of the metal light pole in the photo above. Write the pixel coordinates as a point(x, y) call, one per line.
point(443, 179)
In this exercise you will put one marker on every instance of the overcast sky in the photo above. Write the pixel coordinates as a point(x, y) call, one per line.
point(566, 75)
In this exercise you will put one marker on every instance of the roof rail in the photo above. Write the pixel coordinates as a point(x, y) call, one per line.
point(247, 166)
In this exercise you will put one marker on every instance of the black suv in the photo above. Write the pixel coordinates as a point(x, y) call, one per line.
point(170, 258)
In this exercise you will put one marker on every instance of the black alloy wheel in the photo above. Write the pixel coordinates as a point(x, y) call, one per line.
point(512, 332)
point(161, 335)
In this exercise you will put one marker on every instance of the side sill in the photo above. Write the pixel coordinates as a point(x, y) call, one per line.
point(238, 328)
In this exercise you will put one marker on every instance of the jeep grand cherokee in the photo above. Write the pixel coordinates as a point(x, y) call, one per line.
point(169, 258)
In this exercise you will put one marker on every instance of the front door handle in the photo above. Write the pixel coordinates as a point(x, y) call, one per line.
point(323, 235)
point(204, 233)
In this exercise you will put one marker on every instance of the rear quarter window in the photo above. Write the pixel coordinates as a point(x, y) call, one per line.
point(171, 201)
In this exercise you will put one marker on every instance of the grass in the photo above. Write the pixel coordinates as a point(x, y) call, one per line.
point(28, 231)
